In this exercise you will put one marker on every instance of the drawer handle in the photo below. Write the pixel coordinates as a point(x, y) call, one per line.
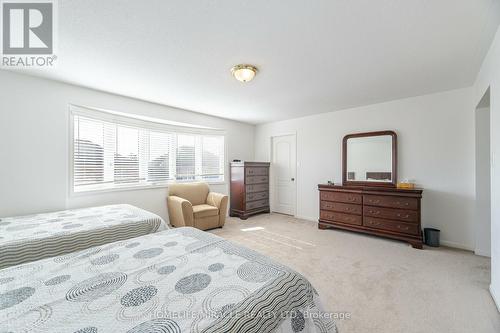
point(374, 201)
point(374, 223)
point(403, 228)
point(404, 217)
point(374, 212)
point(351, 199)
point(399, 203)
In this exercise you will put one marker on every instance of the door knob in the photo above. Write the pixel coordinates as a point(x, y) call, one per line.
point(293, 179)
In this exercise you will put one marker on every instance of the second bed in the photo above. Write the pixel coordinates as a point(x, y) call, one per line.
point(33, 237)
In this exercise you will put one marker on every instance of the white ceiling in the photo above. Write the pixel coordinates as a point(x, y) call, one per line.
point(314, 56)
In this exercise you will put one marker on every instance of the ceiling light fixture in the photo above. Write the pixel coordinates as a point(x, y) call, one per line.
point(244, 73)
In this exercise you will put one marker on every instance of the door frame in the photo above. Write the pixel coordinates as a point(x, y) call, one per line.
point(271, 170)
point(484, 103)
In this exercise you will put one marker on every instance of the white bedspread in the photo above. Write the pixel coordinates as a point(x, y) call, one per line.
point(179, 280)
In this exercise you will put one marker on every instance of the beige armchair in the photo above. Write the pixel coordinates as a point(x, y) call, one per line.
point(193, 205)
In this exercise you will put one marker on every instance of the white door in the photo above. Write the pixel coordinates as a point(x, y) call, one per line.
point(283, 164)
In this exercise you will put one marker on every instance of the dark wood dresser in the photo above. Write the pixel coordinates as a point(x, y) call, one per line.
point(382, 211)
point(249, 188)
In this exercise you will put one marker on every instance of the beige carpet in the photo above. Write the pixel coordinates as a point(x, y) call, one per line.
point(385, 285)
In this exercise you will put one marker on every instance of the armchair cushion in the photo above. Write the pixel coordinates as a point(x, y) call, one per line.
point(204, 210)
point(195, 193)
point(191, 204)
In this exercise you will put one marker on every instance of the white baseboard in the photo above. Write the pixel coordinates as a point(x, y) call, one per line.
point(456, 245)
point(496, 298)
point(443, 242)
point(481, 253)
point(307, 218)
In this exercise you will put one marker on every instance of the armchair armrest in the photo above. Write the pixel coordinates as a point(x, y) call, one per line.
point(180, 211)
point(220, 201)
point(215, 199)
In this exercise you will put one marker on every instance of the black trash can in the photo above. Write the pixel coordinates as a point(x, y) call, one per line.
point(431, 237)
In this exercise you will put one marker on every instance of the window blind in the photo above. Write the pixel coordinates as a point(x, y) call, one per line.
point(110, 153)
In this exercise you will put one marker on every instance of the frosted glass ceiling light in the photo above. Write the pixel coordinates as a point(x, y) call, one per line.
point(244, 73)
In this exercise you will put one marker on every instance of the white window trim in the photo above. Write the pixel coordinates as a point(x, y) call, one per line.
point(139, 121)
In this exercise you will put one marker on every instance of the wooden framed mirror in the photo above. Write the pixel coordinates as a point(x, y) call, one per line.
point(370, 159)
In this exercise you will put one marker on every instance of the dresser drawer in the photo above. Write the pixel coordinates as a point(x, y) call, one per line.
point(256, 171)
point(257, 188)
point(257, 179)
point(340, 217)
point(341, 197)
point(341, 207)
point(407, 228)
point(257, 204)
point(389, 201)
point(257, 196)
point(391, 213)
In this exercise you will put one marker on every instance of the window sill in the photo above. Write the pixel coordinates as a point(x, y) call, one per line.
point(130, 188)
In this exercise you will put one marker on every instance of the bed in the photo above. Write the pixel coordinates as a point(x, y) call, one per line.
point(178, 280)
point(33, 237)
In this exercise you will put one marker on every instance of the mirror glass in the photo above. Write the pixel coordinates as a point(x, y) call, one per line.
point(369, 159)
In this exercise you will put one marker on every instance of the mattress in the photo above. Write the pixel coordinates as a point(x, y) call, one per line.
point(33, 237)
point(179, 280)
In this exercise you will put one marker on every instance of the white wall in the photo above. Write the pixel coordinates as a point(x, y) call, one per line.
point(436, 148)
point(489, 76)
point(34, 145)
point(483, 182)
